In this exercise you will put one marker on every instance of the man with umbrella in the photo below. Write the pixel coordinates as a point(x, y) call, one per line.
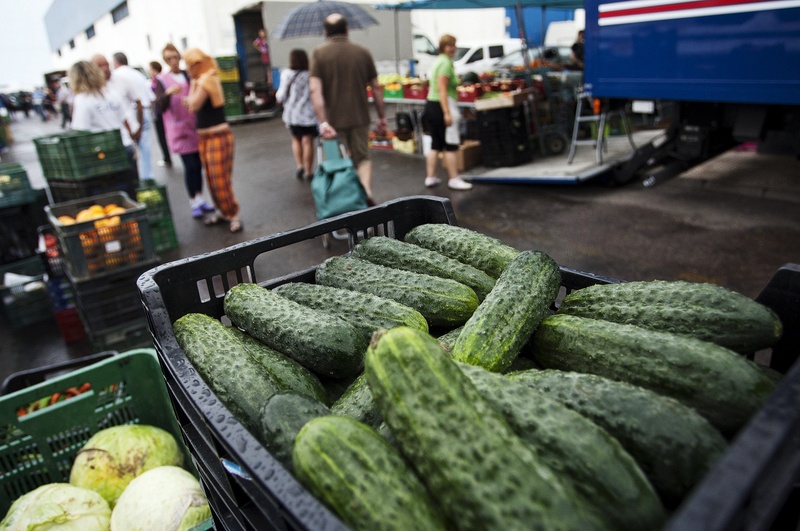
point(339, 74)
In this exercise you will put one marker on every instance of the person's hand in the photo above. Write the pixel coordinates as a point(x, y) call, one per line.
point(448, 120)
point(137, 135)
point(381, 126)
point(327, 131)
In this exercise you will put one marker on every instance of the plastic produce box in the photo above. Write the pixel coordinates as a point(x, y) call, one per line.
point(249, 489)
point(15, 188)
point(28, 302)
point(40, 446)
point(62, 190)
point(81, 154)
point(155, 199)
point(101, 245)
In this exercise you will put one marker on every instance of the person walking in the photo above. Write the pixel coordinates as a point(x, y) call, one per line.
point(216, 144)
point(443, 115)
point(37, 98)
point(158, 121)
point(180, 127)
point(339, 74)
point(64, 97)
point(298, 111)
point(96, 107)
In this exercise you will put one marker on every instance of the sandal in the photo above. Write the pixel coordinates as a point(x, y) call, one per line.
point(236, 226)
point(213, 219)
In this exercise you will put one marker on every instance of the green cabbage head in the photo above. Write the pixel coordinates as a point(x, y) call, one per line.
point(58, 506)
point(112, 457)
point(166, 498)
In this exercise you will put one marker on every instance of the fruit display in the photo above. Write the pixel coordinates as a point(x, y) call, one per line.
point(602, 410)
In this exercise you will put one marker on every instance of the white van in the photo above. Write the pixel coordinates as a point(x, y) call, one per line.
point(479, 57)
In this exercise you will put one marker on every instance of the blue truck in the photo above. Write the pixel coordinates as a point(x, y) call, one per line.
point(729, 68)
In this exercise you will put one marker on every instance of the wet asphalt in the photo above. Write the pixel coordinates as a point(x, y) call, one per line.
point(732, 221)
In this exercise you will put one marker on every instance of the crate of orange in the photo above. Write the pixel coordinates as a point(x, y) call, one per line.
point(102, 233)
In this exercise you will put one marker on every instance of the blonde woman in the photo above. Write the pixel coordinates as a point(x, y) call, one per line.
point(97, 108)
point(207, 101)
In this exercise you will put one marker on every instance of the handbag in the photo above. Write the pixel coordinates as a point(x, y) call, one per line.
point(336, 187)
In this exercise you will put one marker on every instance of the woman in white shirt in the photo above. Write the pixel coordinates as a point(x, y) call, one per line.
point(298, 111)
point(97, 108)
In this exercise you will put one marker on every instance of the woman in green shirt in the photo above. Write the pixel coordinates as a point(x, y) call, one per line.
point(443, 116)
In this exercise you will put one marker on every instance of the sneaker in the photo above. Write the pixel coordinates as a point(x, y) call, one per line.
point(459, 184)
point(165, 163)
point(205, 207)
point(197, 212)
point(432, 181)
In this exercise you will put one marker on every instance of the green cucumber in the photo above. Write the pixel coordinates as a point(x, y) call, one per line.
point(721, 385)
point(282, 418)
point(441, 301)
point(494, 335)
point(365, 311)
point(482, 252)
point(448, 339)
point(480, 473)
point(390, 252)
point(361, 477)
point(357, 403)
point(225, 364)
point(705, 311)
point(674, 446)
point(576, 449)
point(288, 375)
point(319, 341)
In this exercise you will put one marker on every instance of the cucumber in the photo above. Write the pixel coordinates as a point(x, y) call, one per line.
point(225, 364)
point(357, 403)
point(721, 385)
point(494, 335)
point(282, 418)
point(361, 477)
point(448, 339)
point(480, 473)
point(441, 301)
point(576, 449)
point(390, 252)
point(705, 311)
point(319, 341)
point(482, 252)
point(365, 311)
point(674, 446)
point(287, 374)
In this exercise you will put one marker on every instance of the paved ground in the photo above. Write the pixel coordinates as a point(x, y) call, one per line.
point(732, 221)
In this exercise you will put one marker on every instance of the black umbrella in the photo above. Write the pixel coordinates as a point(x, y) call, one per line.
point(306, 20)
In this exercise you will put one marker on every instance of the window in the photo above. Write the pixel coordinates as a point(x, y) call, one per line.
point(184, 43)
point(495, 51)
point(477, 56)
point(90, 32)
point(72, 44)
point(119, 12)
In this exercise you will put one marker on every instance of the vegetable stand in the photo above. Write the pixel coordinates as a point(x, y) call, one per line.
point(249, 489)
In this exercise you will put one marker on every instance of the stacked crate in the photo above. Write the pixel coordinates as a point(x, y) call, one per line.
point(162, 228)
point(231, 85)
point(104, 255)
point(505, 137)
point(62, 296)
point(26, 302)
point(78, 164)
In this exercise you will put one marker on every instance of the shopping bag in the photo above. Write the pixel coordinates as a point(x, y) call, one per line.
point(337, 189)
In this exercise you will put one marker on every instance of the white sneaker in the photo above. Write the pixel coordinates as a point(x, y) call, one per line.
point(459, 184)
point(432, 181)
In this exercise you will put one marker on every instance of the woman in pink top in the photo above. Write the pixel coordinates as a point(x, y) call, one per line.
point(181, 129)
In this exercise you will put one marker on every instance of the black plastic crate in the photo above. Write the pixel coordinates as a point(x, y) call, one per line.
point(249, 489)
point(98, 246)
point(28, 302)
point(15, 188)
point(504, 136)
point(62, 190)
point(18, 236)
point(134, 334)
point(111, 300)
point(81, 154)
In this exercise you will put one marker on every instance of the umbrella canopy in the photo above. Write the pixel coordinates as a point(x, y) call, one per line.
point(307, 20)
point(473, 4)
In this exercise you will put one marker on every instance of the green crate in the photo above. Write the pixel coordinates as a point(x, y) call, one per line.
point(81, 154)
point(163, 233)
point(15, 188)
point(90, 250)
point(29, 302)
point(39, 447)
point(228, 62)
point(234, 109)
point(155, 199)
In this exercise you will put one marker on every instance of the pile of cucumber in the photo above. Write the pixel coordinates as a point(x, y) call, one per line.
point(431, 384)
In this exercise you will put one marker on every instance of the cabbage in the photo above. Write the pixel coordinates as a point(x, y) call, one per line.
point(166, 498)
point(58, 505)
point(112, 457)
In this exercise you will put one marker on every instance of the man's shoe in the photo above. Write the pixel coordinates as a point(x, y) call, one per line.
point(459, 184)
point(432, 181)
